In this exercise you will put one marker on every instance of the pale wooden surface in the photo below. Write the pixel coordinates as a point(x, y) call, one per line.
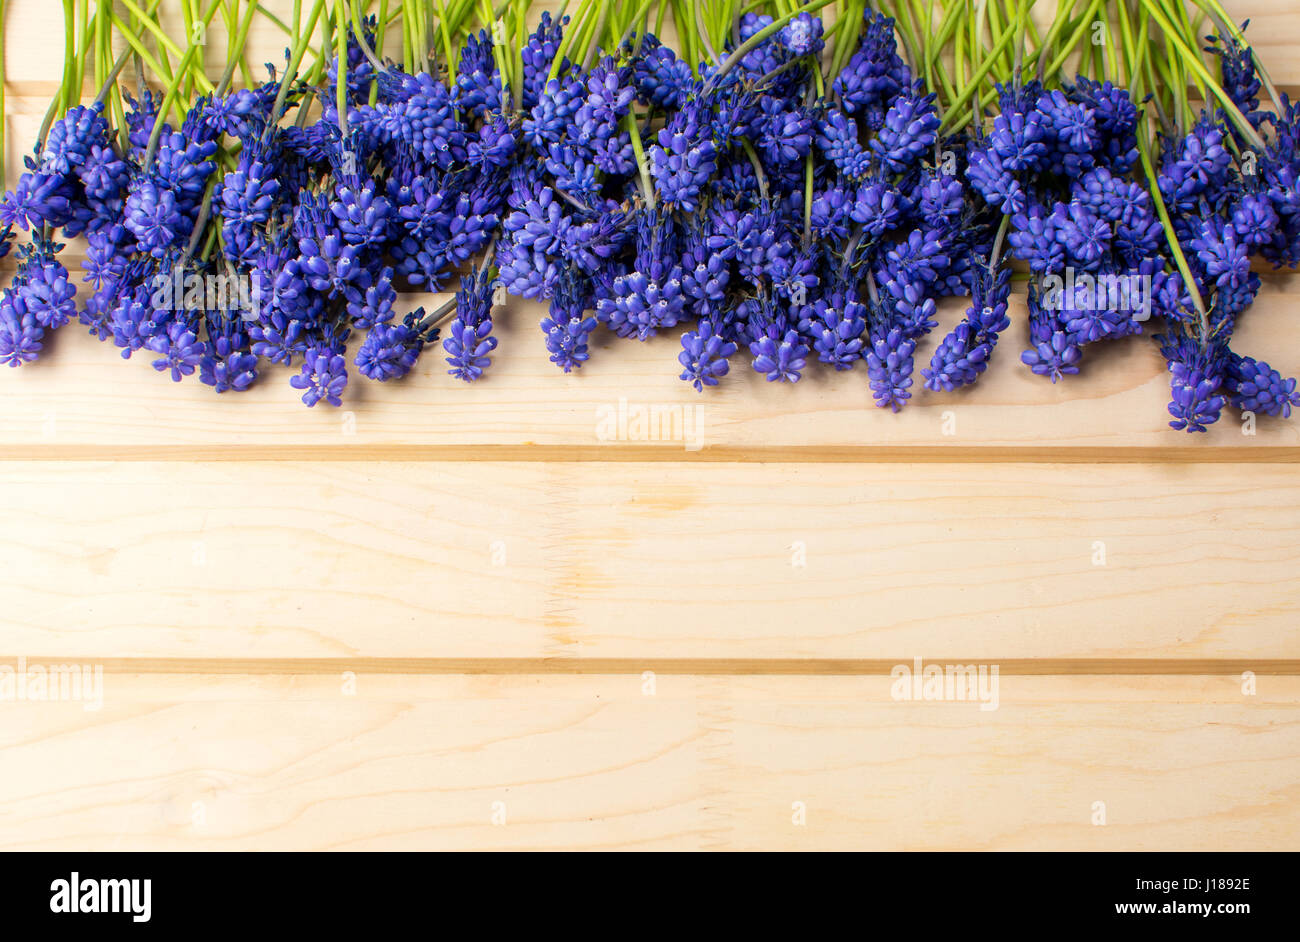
point(195, 761)
point(498, 577)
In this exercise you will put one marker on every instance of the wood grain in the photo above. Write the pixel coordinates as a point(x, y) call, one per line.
point(498, 574)
point(573, 560)
point(277, 762)
point(83, 401)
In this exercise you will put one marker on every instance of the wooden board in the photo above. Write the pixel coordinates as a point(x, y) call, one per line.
point(84, 401)
point(364, 628)
point(636, 762)
point(435, 560)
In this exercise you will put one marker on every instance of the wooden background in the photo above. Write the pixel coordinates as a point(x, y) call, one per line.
point(448, 616)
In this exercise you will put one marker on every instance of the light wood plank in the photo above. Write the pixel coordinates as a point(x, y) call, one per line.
point(628, 560)
point(82, 400)
point(287, 762)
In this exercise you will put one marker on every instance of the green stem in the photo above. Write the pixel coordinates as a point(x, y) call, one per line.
point(69, 56)
point(381, 29)
point(996, 26)
point(1083, 24)
point(520, 10)
point(848, 30)
point(758, 39)
point(173, 88)
point(241, 51)
point(241, 39)
point(1180, 260)
point(907, 31)
point(408, 50)
point(341, 68)
point(295, 59)
point(635, 24)
point(149, 23)
point(83, 28)
point(1045, 48)
point(977, 77)
point(705, 39)
point(1193, 60)
point(807, 199)
point(1131, 62)
point(205, 211)
point(281, 24)
point(444, 31)
point(758, 168)
point(634, 132)
point(593, 44)
point(498, 54)
point(143, 54)
point(685, 36)
point(585, 10)
point(1192, 34)
point(996, 254)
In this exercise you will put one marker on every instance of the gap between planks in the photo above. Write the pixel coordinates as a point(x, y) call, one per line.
point(625, 452)
point(676, 666)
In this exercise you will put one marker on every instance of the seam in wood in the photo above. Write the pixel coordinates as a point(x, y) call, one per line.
point(661, 665)
point(791, 454)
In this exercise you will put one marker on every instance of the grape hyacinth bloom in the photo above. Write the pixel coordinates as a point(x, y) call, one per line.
point(469, 339)
point(1257, 387)
point(388, 352)
point(568, 326)
point(779, 355)
point(324, 375)
point(180, 348)
point(704, 356)
point(1195, 380)
point(889, 369)
point(964, 354)
point(20, 334)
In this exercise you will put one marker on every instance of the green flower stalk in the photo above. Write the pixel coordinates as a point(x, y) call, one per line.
point(634, 132)
point(636, 25)
point(759, 38)
point(444, 31)
point(341, 64)
point(593, 44)
point(1008, 35)
point(69, 57)
point(1180, 260)
point(240, 40)
point(169, 99)
point(520, 10)
point(585, 10)
point(1192, 60)
point(295, 60)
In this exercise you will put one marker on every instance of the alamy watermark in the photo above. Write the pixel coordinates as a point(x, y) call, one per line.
point(1083, 291)
point(651, 422)
point(231, 294)
point(920, 681)
point(79, 894)
point(53, 682)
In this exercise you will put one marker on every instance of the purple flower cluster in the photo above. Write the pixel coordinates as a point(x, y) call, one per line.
point(1228, 203)
point(766, 218)
point(734, 203)
point(1058, 164)
point(1063, 167)
point(304, 240)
